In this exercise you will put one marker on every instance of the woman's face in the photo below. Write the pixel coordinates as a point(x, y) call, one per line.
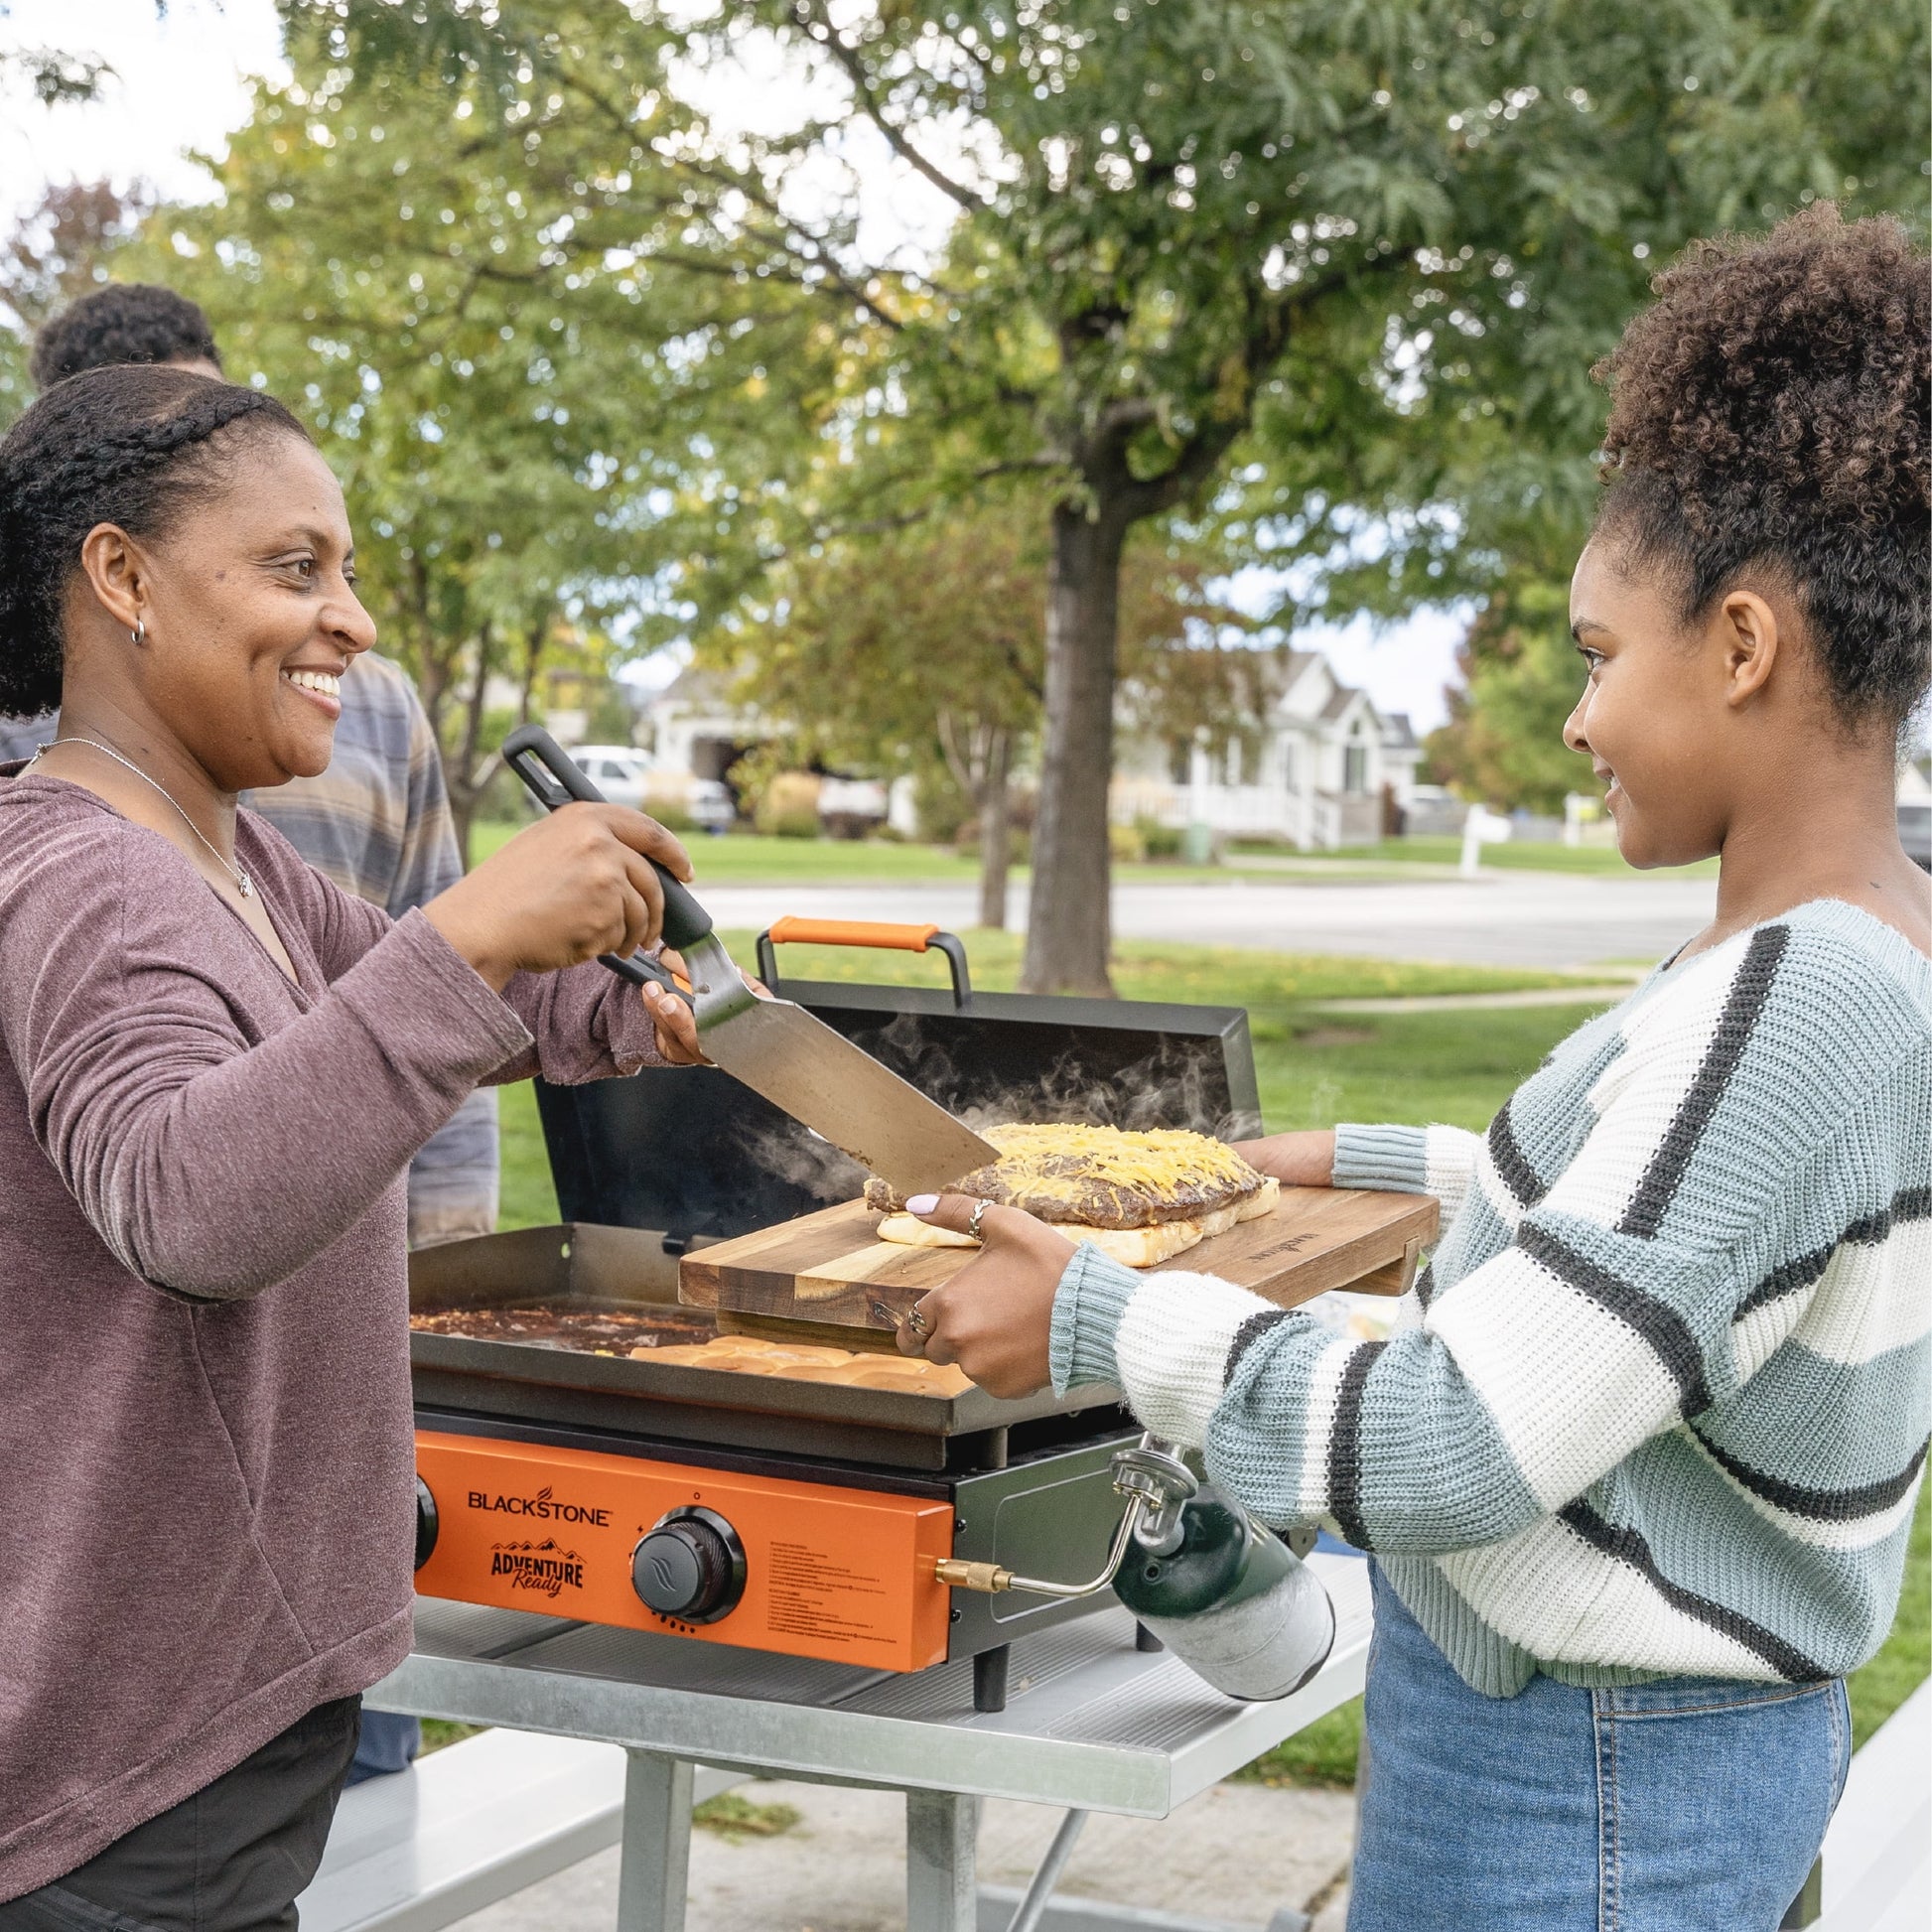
point(252, 620)
point(1652, 717)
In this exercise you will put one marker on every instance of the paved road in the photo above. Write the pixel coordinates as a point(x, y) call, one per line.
point(1531, 919)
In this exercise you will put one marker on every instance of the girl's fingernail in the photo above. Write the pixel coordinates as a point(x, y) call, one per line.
point(921, 1203)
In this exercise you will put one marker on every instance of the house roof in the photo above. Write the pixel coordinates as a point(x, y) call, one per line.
point(700, 689)
point(1398, 734)
point(1340, 699)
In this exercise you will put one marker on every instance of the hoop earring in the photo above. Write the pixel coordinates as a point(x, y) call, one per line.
point(140, 631)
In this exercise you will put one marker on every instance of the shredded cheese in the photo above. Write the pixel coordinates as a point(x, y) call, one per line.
point(1065, 1161)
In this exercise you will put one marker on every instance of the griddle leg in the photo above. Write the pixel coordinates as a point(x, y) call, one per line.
point(941, 1841)
point(1145, 1639)
point(990, 1678)
point(655, 1873)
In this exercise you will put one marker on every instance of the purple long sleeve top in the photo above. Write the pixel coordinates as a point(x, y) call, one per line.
point(205, 1458)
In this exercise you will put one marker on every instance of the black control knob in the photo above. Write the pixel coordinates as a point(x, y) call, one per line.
point(690, 1565)
point(426, 1523)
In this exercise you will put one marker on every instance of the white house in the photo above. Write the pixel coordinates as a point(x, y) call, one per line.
point(693, 726)
point(1316, 762)
point(1313, 762)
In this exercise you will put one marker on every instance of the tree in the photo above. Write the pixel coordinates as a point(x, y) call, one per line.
point(1329, 274)
point(927, 641)
point(922, 643)
point(58, 250)
point(1187, 225)
point(439, 278)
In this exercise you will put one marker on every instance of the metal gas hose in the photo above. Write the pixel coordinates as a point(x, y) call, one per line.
point(1156, 1483)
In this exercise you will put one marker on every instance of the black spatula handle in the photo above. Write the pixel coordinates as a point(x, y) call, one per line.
point(554, 778)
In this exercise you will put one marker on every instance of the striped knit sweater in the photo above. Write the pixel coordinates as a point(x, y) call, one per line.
point(1659, 1405)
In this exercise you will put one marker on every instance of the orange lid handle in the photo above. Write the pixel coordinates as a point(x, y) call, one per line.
point(852, 932)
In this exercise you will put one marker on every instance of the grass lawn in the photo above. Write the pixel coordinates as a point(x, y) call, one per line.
point(747, 859)
point(1155, 969)
point(1314, 1069)
point(751, 859)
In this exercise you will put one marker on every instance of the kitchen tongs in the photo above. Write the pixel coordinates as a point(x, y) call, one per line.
point(774, 1046)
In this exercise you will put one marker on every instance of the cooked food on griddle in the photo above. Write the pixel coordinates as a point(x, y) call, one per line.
point(808, 1362)
point(595, 1329)
point(1142, 1198)
point(688, 1337)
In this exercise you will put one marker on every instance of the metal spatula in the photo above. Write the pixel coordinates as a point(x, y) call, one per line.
point(776, 1046)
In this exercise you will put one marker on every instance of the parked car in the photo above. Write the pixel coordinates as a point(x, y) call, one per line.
point(627, 776)
point(620, 772)
point(1915, 833)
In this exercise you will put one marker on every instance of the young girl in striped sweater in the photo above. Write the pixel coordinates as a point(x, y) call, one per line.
point(1637, 1468)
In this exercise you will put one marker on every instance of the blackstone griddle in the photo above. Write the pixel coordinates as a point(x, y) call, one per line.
point(798, 1517)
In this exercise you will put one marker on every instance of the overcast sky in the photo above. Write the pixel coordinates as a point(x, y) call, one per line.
point(180, 84)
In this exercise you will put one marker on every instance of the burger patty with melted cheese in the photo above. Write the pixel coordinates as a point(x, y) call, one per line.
point(1143, 1197)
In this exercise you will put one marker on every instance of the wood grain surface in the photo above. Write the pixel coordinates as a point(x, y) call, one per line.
point(831, 1270)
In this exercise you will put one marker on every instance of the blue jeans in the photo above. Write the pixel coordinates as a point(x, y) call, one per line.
point(388, 1742)
point(1691, 1804)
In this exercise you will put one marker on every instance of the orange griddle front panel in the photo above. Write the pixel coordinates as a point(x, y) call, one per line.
point(844, 1575)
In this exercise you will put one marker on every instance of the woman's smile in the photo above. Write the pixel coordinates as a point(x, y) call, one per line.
point(323, 689)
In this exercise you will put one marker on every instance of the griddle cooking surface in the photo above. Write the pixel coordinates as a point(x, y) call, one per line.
point(601, 1330)
point(569, 1370)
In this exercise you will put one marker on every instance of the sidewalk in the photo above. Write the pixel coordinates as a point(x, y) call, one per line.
point(1579, 995)
point(1238, 1853)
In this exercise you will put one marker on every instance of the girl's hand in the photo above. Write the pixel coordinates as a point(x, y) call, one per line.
point(576, 884)
point(995, 1317)
point(1294, 1159)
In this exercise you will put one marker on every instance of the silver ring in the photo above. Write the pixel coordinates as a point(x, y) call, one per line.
point(916, 1322)
point(974, 1220)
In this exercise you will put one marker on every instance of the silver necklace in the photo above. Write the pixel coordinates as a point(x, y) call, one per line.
point(242, 881)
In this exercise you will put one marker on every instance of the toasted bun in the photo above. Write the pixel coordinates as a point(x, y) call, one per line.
point(908, 1231)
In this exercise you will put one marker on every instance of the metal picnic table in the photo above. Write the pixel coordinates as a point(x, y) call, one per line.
point(1091, 1724)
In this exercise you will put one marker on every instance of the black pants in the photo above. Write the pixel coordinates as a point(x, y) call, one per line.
point(231, 1858)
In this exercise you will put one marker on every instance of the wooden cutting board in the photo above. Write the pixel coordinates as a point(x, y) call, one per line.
point(830, 1269)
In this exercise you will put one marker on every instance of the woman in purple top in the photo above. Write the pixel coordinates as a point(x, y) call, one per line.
point(214, 1067)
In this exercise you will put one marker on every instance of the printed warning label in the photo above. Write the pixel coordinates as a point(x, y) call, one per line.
point(814, 1594)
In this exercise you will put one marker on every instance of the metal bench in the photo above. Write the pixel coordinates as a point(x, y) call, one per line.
point(469, 1825)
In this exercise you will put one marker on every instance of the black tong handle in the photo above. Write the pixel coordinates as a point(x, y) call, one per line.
point(554, 778)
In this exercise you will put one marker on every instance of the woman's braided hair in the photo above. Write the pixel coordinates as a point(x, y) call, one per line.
point(1769, 412)
point(129, 446)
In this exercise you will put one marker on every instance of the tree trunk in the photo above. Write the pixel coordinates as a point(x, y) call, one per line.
point(996, 827)
point(1068, 919)
point(534, 639)
point(465, 789)
point(433, 665)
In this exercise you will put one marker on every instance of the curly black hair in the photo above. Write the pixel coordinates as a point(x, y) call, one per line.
point(1769, 412)
point(129, 446)
point(126, 321)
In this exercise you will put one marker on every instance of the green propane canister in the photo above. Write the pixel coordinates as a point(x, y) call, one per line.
point(1230, 1599)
